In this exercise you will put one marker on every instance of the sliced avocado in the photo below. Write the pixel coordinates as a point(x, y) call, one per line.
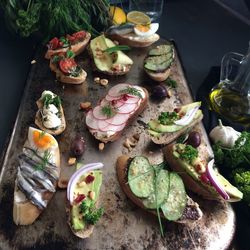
point(161, 50)
point(103, 62)
point(154, 133)
point(95, 186)
point(161, 191)
point(189, 106)
point(141, 177)
point(158, 67)
point(156, 126)
point(158, 59)
point(234, 193)
point(175, 204)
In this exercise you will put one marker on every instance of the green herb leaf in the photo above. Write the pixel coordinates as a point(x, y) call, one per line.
point(167, 118)
point(45, 160)
point(108, 110)
point(117, 48)
point(171, 83)
point(93, 216)
point(70, 54)
point(188, 153)
point(131, 91)
point(48, 99)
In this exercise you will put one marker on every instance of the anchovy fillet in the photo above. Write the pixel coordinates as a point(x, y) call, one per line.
point(122, 29)
point(30, 193)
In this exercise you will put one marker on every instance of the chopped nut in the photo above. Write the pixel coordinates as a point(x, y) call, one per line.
point(33, 62)
point(72, 161)
point(92, 195)
point(169, 93)
point(136, 136)
point(104, 82)
point(129, 144)
point(85, 105)
point(101, 146)
point(81, 184)
point(97, 79)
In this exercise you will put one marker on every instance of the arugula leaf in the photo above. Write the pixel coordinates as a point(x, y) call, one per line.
point(117, 48)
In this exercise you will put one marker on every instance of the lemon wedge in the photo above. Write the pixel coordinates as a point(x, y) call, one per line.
point(117, 15)
point(138, 18)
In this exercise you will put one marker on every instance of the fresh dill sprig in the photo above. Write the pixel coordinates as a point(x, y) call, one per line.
point(131, 91)
point(45, 160)
point(108, 110)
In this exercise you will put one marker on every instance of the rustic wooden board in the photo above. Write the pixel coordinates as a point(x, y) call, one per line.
point(123, 226)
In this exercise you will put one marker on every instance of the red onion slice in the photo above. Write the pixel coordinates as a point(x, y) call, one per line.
point(188, 117)
point(75, 177)
point(213, 180)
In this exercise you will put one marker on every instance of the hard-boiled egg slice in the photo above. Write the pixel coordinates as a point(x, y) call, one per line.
point(145, 31)
point(40, 140)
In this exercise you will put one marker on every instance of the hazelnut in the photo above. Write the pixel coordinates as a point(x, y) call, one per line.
point(92, 195)
point(85, 105)
point(33, 62)
point(81, 184)
point(97, 79)
point(72, 161)
point(101, 146)
point(104, 82)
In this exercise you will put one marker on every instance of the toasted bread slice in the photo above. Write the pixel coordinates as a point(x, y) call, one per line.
point(159, 76)
point(166, 138)
point(191, 213)
point(133, 40)
point(76, 48)
point(24, 211)
point(60, 76)
point(39, 122)
point(117, 135)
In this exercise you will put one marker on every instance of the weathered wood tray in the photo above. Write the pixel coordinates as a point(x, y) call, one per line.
point(123, 226)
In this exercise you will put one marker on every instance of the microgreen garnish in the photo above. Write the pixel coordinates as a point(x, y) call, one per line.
point(108, 110)
point(45, 160)
point(171, 83)
point(131, 91)
point(188, 153)
point(117, 48)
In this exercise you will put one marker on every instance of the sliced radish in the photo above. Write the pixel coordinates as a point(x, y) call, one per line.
point(114, 103)
point(113, 128)
point(130, 99)
point(127, 108)
point(188, 117)
point(91, 121)
point(116, 90)
point(118, 119)
point(111, 98)
point(98, 114)
point(102, 124)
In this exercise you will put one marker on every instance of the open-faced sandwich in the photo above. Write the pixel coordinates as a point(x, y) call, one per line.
point(83, 194)
point(75, 42)
point(66, 68)
point(170, 125)
point(153, 187)
point(138, 31)
point(158, 62)
point(108, 57)
point(50, 116)
point(196, 166)
point(122, 104)
point(37, 175)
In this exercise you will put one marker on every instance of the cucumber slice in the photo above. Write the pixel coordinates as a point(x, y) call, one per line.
point(174, 206)
point(161, 50)
point(159, 59)
point(141, 177)
point(161, 192)
point(158, 67)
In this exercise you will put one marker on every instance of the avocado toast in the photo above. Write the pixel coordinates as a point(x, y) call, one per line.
point(155, 188)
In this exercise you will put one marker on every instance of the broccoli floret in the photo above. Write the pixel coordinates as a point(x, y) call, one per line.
point(242, 180)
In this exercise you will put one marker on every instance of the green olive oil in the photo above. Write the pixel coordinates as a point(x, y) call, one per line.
point(231, 105)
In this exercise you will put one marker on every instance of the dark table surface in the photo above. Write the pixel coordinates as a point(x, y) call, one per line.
point(203, 32)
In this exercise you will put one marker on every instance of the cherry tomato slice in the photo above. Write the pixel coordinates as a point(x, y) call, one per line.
point(79, 34)
point(70, 38)
point(67, 64)
point(53, 44)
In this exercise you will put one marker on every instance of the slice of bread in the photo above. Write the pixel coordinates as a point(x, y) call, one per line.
point(133, 40)
point(122, 164)
point(39, 122)
point(24, 212)
point(76, 48)
point(60, 76)
point(160, 76)
point(117, 135)
point(166, 138)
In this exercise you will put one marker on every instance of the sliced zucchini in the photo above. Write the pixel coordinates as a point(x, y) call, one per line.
point(141, 177)
point(176, 202)
point(161, 191)
point(161, 50)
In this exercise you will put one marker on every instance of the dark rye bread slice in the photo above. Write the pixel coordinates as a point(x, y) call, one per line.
point(166, 138)
point(117, 135)
point(191, 213)
point(39, 122)
point(124, 70)
point(132, 40)
point(191, 184)
point(76, 48)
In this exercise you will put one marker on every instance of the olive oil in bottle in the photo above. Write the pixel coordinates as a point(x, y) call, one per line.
point(231, 105)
